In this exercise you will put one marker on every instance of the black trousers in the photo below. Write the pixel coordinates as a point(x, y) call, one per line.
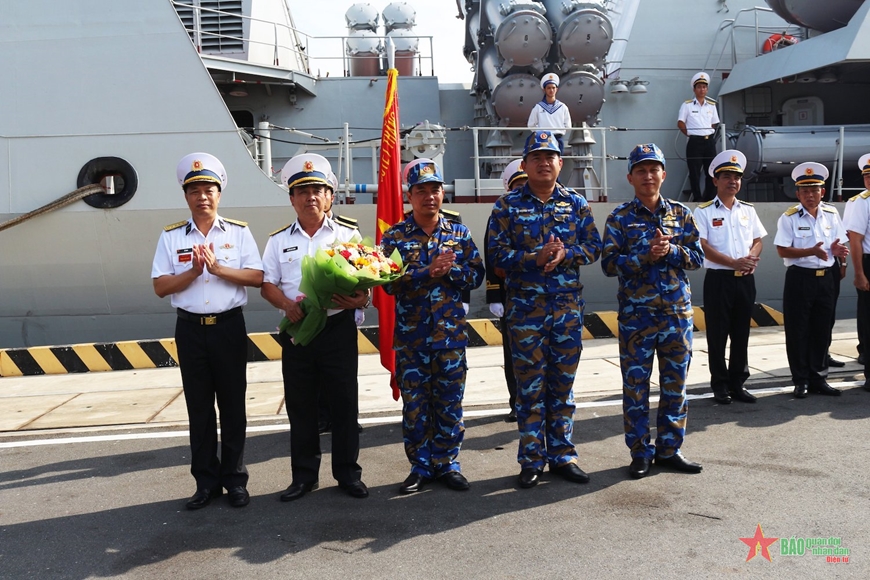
point(807, 307)
point(328, 366)
point(728, 304)
point(699, 154)
point(213, 361)
point(509, 376)
point(864, 316)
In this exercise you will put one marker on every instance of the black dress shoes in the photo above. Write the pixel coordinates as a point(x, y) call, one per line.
point(829, 362)
point(455, 481)
point(861, 359)
point(825, 389)
point(355, 489)
point(866, 386)
point(678, 463)
point(203, 497)
point(413, 483)
point(743, 395)
point(529, 477)
point(722, 397)
point(571, 472)
point(238, 496)
point(511, 417)
point(800, 391)
point(639, 467)
point(297, 490)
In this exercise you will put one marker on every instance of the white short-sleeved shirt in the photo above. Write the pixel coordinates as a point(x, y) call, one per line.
point(282, 259)
point(555, 117)
point(796, 228)
point(728, 231)
point(699, 117)
point(234, 247)
point(856, 218)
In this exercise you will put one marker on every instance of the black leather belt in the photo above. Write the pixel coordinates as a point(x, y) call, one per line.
point(818, 272)
point(208, 319)
point(729, 273)
point(705, 137)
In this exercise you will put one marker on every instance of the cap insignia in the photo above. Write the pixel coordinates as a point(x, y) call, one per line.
point(196, 165)
point(308, 166)
point(809, 171)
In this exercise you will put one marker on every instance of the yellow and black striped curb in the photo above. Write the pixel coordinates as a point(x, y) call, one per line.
point(149, 354)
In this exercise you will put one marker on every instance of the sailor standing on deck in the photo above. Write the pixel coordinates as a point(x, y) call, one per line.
point(205, 263)
point(698, 119)
point(328, 365)
point(731, 239)
point(808, 238)
point(856, 220)
point(550, 113)
point(540, 235)
point(649, 244)
point(430, 339)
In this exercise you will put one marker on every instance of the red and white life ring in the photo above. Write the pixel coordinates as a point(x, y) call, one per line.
point(777, 41)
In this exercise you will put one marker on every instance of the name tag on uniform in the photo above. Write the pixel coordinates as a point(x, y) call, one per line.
point(803, 228)
point(184, 255)
point(293, 249)
point(718, 222)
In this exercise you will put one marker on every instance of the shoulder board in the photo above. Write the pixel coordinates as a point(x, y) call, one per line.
point(829, 208)
point(864, 195)
point(746, 203)
point(236, 222)
point(278, 231)
point(174, 226)
point(451, 215)
point(710, 101)
point(705, 204)
point(689, 101)
point(792, 210)
point(345, 221)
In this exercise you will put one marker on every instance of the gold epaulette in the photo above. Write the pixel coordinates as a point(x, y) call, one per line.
point(746, 203)
point(279, 230)
point(236, 222)
point(689, 101)
point(174, 226)
point(451, 215)
point(706, 204)
point(828, 208)
point(792, 210)
point(710, 101)
point(346, 221)
point(864, 195)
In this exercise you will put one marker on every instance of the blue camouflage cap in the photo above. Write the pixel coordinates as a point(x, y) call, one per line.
point(645, 152)
point(541, 140)
point(422, 171)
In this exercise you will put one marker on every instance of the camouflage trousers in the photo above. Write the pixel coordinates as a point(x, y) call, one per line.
point(545, 337)
point(642, 336)
point(432, 385)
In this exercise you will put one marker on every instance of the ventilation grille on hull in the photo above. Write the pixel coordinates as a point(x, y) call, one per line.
point(220, 32)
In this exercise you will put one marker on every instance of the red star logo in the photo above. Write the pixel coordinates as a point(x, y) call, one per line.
point(758, 543)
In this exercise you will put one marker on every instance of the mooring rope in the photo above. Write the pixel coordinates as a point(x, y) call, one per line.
point(64, 201)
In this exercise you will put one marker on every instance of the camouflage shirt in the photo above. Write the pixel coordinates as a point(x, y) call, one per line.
point(429, 313)
point(521, 224)
point(645, 284)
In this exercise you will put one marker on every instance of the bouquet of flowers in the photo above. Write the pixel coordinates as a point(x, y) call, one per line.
point(342, 268)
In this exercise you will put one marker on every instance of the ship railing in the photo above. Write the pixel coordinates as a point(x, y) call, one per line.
point(314, 55)
point(760, 32)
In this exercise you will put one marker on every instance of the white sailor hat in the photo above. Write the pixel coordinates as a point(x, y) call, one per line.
point(333, 181)
point(305, 169)
point(701, 77)
point(421, 171)
point(511, 173)
point(864, 164)
point(809, 173)
point(549, 78)
point(729, 160)
point(201, 167)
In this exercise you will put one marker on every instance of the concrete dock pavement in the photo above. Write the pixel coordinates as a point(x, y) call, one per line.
point(154, 397)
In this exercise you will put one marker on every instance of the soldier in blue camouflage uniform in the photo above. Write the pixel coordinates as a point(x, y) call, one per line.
point(649, 243)
point(430, 336)
point(540, 235)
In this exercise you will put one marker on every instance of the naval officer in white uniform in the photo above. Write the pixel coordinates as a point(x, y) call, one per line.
point(698, 119)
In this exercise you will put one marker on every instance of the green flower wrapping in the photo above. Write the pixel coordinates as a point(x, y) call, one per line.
point(343, 269)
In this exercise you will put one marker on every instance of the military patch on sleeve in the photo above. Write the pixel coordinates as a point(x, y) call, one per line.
point(174, 226)
point(236, 222)
point(279, 230)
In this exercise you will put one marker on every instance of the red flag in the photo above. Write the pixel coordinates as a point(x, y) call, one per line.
point(390, 211)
